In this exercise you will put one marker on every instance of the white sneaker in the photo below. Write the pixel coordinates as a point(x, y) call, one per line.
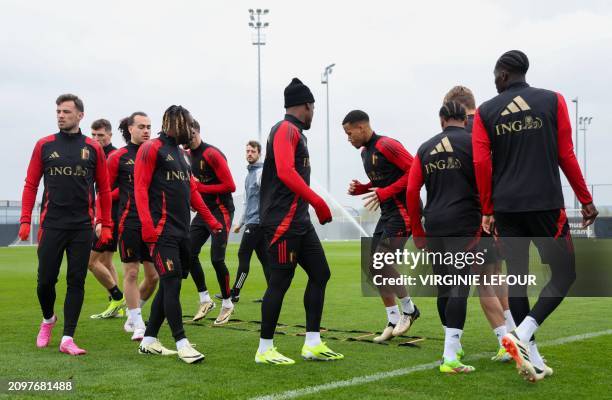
point(138, 334)
point(203, 310)
point(224, 315)
point(128, 326)
point(190, 355)
point(156, 349)
point(387, 334)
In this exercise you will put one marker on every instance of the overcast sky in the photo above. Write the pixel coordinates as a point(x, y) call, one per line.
point(395, 60)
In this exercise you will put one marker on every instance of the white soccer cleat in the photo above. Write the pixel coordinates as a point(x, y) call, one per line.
point(190, 355)
point(203, 310)
point(138, 334)
point(155, 349)
point(224, 315)
point(543, 373)
point(406, 321)
point(520, 353)
point(387, 334)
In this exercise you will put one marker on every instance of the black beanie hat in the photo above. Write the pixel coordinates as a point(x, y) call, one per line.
point(297, 93)
point(514, 60)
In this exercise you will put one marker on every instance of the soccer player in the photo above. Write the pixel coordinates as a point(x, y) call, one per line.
point(101, 256)
point(452, 220)
point(387, 165)
point(520, 138)
point(216, 185)
point(70, 163)
point(284, 198)
point(136, 129)
point(253, 237)
point(493, 299)
point(165, 190)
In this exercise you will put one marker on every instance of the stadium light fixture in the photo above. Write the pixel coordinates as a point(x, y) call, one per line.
point(258, 40)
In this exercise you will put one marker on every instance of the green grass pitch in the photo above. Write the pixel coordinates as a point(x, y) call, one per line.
point(114, 369)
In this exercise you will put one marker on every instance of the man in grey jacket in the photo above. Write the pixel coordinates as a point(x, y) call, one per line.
point(252, 238)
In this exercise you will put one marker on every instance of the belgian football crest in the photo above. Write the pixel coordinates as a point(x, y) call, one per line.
point(85, 153)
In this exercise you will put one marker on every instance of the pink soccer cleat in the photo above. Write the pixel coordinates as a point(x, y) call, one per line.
point(69, 347)
point(44, 334)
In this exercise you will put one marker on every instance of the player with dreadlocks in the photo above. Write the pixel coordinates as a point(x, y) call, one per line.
point(165, 191)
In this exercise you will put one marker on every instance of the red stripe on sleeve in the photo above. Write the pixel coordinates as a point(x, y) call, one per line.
point(567, 158)
point(399, 156)
point(219, 165)
point(32, 180)
point(112, 164)
point(146, 160)
point(102, 183)
point(285, 142)
point(483, 167)
point(413, 198)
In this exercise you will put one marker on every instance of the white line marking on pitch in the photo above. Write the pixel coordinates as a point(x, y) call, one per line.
point(359, 380)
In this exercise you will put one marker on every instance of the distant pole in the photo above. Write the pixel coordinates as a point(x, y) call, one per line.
point(575, 101)
point(258, 40)
point(325, 81)
point(584, 123)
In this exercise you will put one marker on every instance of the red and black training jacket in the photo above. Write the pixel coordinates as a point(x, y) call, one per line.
point(520, 139)
point(165, 190)
point(285, 181)
point(71, 164)
point(387, 164)
point(121, 174)
point(445, 166)
point(215, 182)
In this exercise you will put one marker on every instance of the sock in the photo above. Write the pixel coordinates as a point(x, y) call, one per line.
point(526, 329)
point(393, 314)
point(50, 320)
point(313, 338)
point(204, 296)
point(510, 325)
point(534, 355)
point(147, 340)
point(227, 303)
point(64, 338)
point(182, 343)
point(141, 303)
point(407, 305)
point(264, 345)
point(500, 331)
point(452, 343)
point(135, 315)
point(115, 293)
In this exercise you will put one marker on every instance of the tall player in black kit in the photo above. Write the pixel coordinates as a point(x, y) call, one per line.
point(284, 199)
point(521, 138)
point(387, 165)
